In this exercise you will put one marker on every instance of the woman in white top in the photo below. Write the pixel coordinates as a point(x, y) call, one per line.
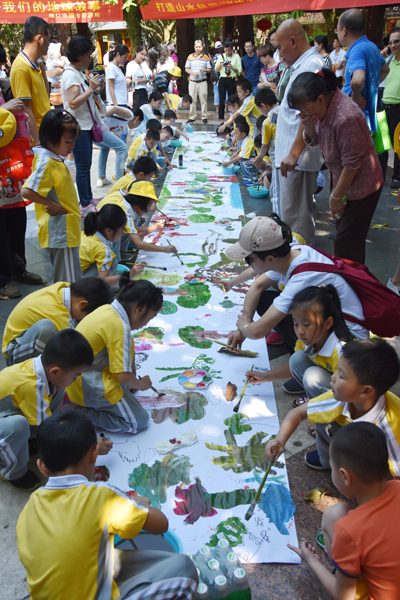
point(78, 98)
point(338, 58)
point(116, 88)
point(322, 44)
point(138, 73)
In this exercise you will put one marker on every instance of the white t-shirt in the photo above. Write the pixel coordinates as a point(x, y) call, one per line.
point(135, 72)
point(70, 78)
point(349, 300)
point(117, 124)
point(120, 89)
point(167, 66)
point(336, 59)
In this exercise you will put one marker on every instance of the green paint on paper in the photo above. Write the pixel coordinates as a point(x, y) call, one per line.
point(198, 295)
point(230, 240)
point(203, 260)
point(151, 334)
point(154, 481)
point(187, 335)
point(227, 304)
point(224, 261)
point(168, 308)
point(202, 362)
point(192, 408)
point(232, 529)
point(198, 149)
point(201, 218)
point(195, 502)
point(202, 210)
point(160, 277)
point(242, 459)
point(228, 500)
point(235, 424)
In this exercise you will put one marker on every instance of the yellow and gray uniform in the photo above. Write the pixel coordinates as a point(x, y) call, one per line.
point(123, 183)
point(246, 148)
point(96, 255)
point(132, 222)
point(34, 320)
point(25, 400)
point(59, 234)
point(251, 113)
point(70, 513)
point(108, 402)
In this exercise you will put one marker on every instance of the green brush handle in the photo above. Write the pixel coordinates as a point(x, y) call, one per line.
point(256, 497)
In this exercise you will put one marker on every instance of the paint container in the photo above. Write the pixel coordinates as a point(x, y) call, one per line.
point(202, 592)
point(181, 160)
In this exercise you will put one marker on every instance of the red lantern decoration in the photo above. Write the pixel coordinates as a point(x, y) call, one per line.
point(264, 24)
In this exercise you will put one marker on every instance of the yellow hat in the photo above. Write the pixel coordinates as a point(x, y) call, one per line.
point(8, 127)
point(175, 71)
point(140, 187)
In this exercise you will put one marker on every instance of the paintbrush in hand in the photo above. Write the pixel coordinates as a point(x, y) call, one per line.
point(224, 290)
point(152, 267)
point(247, 353)
point(177, 256)
point(243, 391)
point(252, 506)
point(154, 389)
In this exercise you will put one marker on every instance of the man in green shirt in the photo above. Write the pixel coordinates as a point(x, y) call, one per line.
point(229, 66)
point(391, 99)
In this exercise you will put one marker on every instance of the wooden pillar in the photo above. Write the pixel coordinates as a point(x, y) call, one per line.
point(83, 29)
point(375, 23)
point(185, 46)
point(238, 30)
point(64, 34)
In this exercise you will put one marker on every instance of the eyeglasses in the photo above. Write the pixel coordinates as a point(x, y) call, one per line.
point(336, 31)
point(249, 259)
point(394, 43)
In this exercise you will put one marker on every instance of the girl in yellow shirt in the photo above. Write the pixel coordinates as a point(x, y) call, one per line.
point(104, 390)
point(101, 229)
point(52, 189)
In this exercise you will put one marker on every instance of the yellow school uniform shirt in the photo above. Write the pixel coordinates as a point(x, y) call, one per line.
point(328, 356)
point(134, 147)
point(27, 83)
point(26, 383)
point(50, 178)
point(143, 150)
point(123, 183)
point(175, 101)
point(268, 131)
point(95, 249)
point(385, 413)
point(65, 537)
point(251, 113)
point(246, 148)
point(52, 302)
point(108, 331)
point(118, 199)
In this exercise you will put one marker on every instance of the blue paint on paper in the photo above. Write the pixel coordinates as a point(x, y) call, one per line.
point(277, 503)
point(236, 196)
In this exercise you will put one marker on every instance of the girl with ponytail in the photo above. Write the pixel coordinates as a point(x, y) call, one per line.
point(106, 389)
point(321, 331)
point(101, 229)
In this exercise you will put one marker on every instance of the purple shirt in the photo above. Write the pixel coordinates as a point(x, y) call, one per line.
point(345, 141)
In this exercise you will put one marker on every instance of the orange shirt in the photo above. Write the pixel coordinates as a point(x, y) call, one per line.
point(366, 543)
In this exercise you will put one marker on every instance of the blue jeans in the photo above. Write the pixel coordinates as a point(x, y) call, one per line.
point(254, 88)
point(83, 151)
point(110, 140)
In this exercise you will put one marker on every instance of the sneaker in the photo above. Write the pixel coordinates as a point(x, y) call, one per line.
point(205, 121)
point(10, 290)
point(274, 339)
point(95, 201)
point(69, 163)
point(291, 386)
point(85, 210)
point(332, 235)
point(332, 221)
point(395, 185)
point(190, 120)
point(32, 446)
point(312, 460)
point(392, 287)
point(28, 277)
point(27, 483)
point(320, 540)
point(103, 182)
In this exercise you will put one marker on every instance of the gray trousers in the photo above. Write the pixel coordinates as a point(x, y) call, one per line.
point(30, 343)
point(121, 245)
point(126, 415)
point(93, 272)
point(66, 264)
point(154, 575)
point(324, 435)
point(315, 380)
point(275, 193)
point(298, 207)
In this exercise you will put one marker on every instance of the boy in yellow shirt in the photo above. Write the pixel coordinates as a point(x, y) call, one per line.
point(142, 168)
point(248, 109)
point(137, 142)
point(72, 513)
point(246, 150)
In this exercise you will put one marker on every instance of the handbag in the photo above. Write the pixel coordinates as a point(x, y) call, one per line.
point(381, 137)
point(97, 132)
point(15, 167)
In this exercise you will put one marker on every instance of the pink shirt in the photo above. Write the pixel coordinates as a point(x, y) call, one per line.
point(345, 141)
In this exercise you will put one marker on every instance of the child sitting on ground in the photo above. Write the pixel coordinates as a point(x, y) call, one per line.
point(169, 119)
point(104, 391)
point(143, 168)
point(322, 333)
point(66, 531)
point(101, 229)
point(247, 109)
point(38, 316)
point(361, 543)
point(149, 146)
point(29, 393)
point(154, 103)
point(367, 369)
point(51, 188)
point(246, 151)
point(151, 124)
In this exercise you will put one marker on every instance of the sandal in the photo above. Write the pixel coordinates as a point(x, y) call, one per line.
point(311, 431)
point(299, 401)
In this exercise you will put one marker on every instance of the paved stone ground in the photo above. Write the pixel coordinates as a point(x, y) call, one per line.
point(268, 582)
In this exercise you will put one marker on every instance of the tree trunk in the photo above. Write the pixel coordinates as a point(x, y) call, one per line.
point(64, 34)
point(375, 22)
point(133, 19)
point(184, 40)
point(227, 28)
point(83, 29)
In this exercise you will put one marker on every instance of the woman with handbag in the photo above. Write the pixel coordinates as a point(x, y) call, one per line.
point(78, 98)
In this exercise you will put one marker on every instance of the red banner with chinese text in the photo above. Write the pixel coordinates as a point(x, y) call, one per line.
point(85, 11)
point(178, 9)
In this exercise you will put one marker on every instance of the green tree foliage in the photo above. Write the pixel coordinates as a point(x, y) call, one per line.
point(12, 39)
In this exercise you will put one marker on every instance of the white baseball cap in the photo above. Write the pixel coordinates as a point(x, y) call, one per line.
point(258, 235)
point(218, 45)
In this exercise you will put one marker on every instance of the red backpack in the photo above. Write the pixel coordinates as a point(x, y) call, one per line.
point(381, 306)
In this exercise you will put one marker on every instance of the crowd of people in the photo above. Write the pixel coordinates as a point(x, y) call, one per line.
point(293, 108)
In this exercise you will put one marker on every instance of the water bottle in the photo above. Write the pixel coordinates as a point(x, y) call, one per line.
point(221, 586)
point(221, 553)
point(202, 592)
point(241, 584)
point(201, 559)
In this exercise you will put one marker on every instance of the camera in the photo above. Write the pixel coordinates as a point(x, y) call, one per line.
point(227, 67)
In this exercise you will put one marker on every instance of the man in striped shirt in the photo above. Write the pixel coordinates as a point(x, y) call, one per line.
point(197, 66)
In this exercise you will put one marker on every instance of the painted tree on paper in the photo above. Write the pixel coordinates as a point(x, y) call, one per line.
point(232, 530)
point(192, 407)
point(195, 502)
